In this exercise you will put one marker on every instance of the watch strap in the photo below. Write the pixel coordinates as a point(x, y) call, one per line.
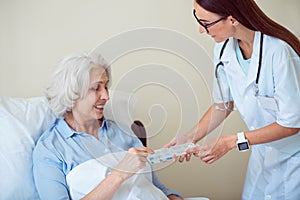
point(241, 137)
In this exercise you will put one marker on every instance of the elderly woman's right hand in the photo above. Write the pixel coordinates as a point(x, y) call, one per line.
point(134, 160)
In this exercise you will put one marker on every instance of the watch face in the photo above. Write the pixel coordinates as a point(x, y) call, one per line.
point(243, 146)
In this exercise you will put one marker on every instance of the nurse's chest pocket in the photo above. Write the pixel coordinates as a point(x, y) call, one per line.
point(268, 103)
point(269, 108)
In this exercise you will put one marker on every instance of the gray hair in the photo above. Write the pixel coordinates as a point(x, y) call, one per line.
point(70, 80)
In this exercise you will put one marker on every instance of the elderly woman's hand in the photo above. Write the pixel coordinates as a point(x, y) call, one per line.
point(134, 160)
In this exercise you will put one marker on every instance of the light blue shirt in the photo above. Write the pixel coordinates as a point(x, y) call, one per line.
point(244, 63)
point(60, 149)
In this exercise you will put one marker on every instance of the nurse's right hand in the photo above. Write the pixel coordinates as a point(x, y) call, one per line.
point(181, 139)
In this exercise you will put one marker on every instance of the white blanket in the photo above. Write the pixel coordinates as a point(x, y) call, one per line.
point(86, 176)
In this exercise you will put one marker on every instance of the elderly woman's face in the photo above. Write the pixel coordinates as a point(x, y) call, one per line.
point(91, 106)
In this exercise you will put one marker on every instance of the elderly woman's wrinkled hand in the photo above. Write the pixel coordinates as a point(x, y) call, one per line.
point(134, 160)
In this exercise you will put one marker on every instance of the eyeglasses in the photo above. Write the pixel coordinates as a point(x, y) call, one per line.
point(206, 26)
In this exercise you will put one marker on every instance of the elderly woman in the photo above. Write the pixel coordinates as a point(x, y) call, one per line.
point(83, 155)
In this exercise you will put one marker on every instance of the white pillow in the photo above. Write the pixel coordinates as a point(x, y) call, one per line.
point(22, 121)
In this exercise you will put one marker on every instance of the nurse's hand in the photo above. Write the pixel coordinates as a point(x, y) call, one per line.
point(214, 149)
point(181, 139)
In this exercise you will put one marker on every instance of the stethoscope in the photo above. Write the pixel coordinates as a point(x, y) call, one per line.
point(256, 89)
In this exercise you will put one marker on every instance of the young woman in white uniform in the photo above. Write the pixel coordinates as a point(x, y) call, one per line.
point(257, 72)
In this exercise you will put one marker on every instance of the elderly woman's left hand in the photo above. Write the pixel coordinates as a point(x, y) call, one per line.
point(174, 197)
point(214, 149)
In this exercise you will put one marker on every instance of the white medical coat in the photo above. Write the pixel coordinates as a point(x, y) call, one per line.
point(274, 168)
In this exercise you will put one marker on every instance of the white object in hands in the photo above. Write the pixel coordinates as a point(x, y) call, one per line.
point(165, 154)
point(86, 176)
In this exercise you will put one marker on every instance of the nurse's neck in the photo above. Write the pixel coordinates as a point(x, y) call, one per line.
point(245, 40)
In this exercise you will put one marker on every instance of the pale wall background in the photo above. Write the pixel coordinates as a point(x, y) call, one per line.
point(36, 33)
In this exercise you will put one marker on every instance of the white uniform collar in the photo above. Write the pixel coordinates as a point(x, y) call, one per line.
point(230, 60)
point(229, 52)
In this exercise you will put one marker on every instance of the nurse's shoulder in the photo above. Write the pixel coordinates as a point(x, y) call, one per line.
point(277, 47)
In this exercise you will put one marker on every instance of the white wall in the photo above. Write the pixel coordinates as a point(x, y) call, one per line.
point(36, 33)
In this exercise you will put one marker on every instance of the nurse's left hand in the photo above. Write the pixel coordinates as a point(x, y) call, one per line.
point(214, 149)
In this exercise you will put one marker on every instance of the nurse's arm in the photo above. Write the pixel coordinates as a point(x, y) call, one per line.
point(214, 116)
point(269, 133)
point(214, 149)
point(210, 120)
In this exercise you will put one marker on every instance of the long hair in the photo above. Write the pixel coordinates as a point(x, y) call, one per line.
point(251, 16)
point(70, 80)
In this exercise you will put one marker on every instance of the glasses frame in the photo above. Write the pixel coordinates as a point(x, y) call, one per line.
point(206, 26)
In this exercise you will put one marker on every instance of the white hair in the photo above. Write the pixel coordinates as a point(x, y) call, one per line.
point(70, 80)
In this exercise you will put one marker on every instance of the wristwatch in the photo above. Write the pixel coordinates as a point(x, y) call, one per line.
point(242, 142)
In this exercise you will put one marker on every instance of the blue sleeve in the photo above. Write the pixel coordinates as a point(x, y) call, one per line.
point(163, 188)
point(48, 175)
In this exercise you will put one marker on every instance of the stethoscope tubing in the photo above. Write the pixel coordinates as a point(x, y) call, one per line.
point(259, 65)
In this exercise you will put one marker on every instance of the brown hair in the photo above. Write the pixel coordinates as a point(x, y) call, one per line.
point(251, 16)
